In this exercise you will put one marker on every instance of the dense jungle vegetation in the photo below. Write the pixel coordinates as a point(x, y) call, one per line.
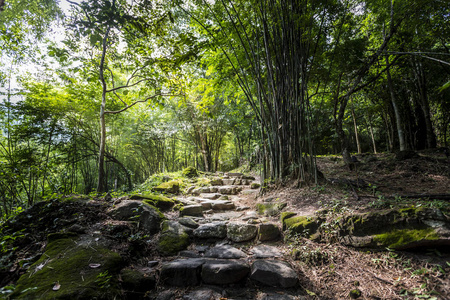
point(101, 96)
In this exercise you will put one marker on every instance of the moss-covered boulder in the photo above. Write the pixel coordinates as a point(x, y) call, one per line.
point(136, 282)
point(190, 172)
point(286, 215)
point(159, 201)
point(270, 209)
point(148, 216)
point(174, 238)
point(72, 268)
point(255, 185)
point(170, 187)
point(307, 225)
point(396, 228)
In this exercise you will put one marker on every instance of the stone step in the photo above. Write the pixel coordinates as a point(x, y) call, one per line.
point(199, 271)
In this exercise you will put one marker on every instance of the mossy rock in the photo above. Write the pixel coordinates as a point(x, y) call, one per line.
point(170, 242)
point(170, 187)
point(190, 172)
point(404, 238)
point(286, 215)
point(136, 282)
point(270, 209)
point(158, 201)
point(302, 224)
point(255, 185)
point(66, 261)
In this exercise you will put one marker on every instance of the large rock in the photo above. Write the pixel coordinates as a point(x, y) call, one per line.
point(188, 222)
point(210, 196)
point(76, 264)
point(240, 232)
point(397, 229)
point(202, 293)
point(174, 238)
point(192, 210)
point(216, 181)
point(222, 205)
point(266, 251)
point(268, 232)
point(183, 272)
point(159, 201)
point(171, 187)
point(274, 273)
point(229, 181)
point(270, 209)
point(225, 252)
point(228, 190)
point(306, 225)
point(149, 217)
point(223, 272)
point(211, 230)
point(136, 282)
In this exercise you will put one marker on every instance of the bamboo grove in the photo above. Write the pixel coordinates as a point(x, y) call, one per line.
point(127, 89)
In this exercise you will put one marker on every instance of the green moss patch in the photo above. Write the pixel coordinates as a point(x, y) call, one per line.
point(190, 172)
point(270, 209)
point(159, 201)
point(286, 215)
point(171, 187)
point(69, 263)
point(398, 239)
point(301, 224)
point(170, 243)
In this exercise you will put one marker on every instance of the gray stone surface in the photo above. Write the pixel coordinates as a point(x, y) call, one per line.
point(223, 272)
point(216, 181)
point(229, 181)
point(183, 272)
point(188, 222)
point(192, 210)
point(240, 232)
point(225, 252)
point(266, 251)
point(273, 273)
point(222, 205)
point(148, 217)
point(228, 190)
point(210, 196)
point(211, 230)
point(268, 232)
point(202, 293)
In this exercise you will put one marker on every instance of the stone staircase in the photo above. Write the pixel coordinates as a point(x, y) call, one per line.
point(224, 243)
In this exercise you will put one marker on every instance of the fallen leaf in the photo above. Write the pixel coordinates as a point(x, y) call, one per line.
point(94, 266)
point(57, 286)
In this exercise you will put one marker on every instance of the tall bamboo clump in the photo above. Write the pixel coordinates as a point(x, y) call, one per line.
point(271, 46)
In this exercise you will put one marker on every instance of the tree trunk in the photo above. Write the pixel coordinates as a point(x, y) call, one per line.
point(398, 118)
point(424, 104)
point(101, 187)
point(358, 145)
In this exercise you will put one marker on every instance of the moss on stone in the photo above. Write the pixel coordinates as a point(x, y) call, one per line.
point(159, 201)
point(398, 239)
point(355, 294)
point(190, 172)
point(66, 261)
point(255, 185)
point(301, 224)
point(286, 215)
point(270, 209)
point(172, 187)
point(170, 243)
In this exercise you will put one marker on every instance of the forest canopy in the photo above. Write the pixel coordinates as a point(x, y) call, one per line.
point(98, 95)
